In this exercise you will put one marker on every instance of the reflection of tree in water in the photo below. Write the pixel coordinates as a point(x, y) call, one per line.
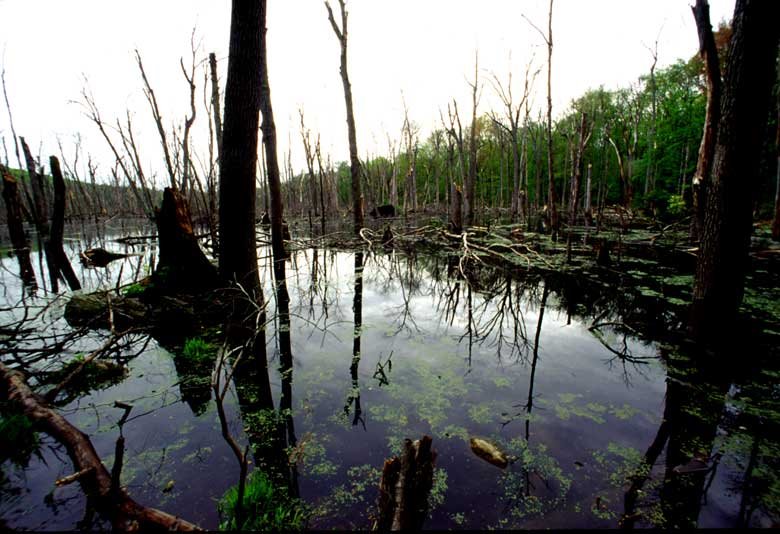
point(353, 398)
point(712, 421)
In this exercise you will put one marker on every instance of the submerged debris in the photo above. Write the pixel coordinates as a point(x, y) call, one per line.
point(489, 452)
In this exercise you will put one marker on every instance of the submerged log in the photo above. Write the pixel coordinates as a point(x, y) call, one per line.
point(489, 452)
point(124, 512)
point(405, 486)
point(182, 265)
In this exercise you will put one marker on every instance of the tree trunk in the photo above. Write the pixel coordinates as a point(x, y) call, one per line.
point(723, 256)
point(552, 197)
point(182, 264)
point(54, 247)
point(709, 55)
point(456, 206)
point(13, 210)
point(405, 486)
point(471, 183)
point(776, 221)
point(354, 161)
point(238, 161)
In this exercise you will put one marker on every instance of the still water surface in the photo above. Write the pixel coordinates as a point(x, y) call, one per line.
point(511, 359)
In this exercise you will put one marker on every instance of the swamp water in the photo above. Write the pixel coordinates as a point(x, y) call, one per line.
point(543, 368)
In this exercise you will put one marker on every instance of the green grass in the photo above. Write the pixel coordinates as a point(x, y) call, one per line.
point(267, 506)
point(198, 351)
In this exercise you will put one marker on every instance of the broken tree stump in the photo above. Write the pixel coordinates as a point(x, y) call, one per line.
point(13, 208)
point(54, 247)
point(405, 486)
point(182, 265)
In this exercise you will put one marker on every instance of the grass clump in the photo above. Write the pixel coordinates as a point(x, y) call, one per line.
point(267, 506)
point(197, 350)
point(134, 290)
point(18, 439)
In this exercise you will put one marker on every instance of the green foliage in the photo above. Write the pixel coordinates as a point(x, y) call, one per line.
point(18, 440)
point(198, 351)
point(267, 506)
point(675, 205)
point(134, 290)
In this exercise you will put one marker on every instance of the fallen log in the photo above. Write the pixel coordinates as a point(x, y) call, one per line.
point(124, 513)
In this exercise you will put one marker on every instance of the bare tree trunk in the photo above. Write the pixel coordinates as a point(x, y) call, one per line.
point(471, 183)
point(13, 210)
point(552, 196)
point(54, 246)
point(709, 55)
point(776, 221)
point(575, 181)
point(238, 161)
point(341, 34)
point(745, 104)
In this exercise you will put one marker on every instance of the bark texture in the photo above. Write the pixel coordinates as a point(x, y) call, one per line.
point(124, 512)
point(238, 158)
point(723, 256)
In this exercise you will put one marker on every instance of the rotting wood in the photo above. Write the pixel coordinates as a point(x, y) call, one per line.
point(13, 207)
point(54, 246)
point(405, 486)
point(124, 512)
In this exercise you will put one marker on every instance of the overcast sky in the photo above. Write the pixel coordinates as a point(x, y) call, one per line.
point(421, 49)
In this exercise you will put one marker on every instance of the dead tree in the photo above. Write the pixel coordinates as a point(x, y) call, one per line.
point(238, 161)
point(89, 471)
point(354, 160)
point(552, 197)
point(54, 246)
point(470, 185)
point(513, 116)
point(13, 210)
point(410, 133)
point(584, 137)
point(188, 121)
point(712, 76)
point(405, 486)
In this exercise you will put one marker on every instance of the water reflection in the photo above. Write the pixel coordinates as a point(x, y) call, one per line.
point(553, 369)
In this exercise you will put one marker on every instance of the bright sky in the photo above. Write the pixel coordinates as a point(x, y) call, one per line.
point(423, 49)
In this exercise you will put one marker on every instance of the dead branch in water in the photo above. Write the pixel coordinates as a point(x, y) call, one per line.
point(124, 512)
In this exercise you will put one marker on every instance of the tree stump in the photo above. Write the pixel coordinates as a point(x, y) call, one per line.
point(405, 486)
point(183, 266)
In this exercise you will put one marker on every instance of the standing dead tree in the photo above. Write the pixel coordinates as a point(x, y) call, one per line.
point(309, 153)
point(354, 160)
point(455, 140)
point(470, 185)
point(519, 194)
point(410, 133)
point(712, 76)
point(13, 210)
point(584, 137)
point(552, 198)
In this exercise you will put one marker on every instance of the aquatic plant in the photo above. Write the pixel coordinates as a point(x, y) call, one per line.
point(266, 506)
point(197, 350)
